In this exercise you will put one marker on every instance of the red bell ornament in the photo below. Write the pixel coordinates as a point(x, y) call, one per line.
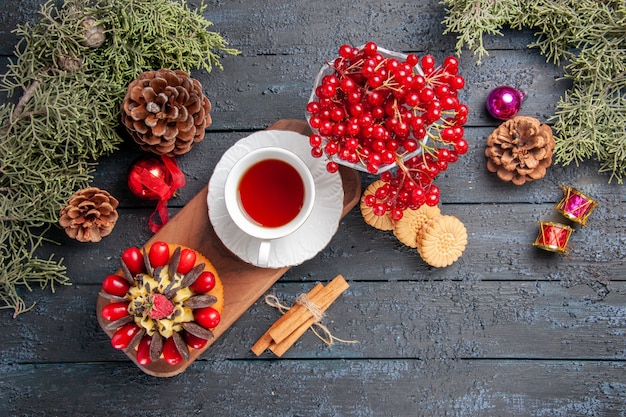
point(156, 178)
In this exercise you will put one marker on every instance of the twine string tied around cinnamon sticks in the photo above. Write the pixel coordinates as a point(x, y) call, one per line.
point(308, 311)
point(324, 334)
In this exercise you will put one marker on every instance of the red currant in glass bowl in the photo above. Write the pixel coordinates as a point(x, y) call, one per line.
point(385, 112)
point(360, 96)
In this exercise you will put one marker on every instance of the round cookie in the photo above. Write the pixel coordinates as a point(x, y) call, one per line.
point(383, 222)
point(442, 241)
point(408, 227)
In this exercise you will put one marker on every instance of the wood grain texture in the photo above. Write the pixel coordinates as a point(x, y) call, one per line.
point(322, 388)
point(508, 330)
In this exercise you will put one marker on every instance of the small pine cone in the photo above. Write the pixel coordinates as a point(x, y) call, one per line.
point(93, 33)
point(90, 215)
point(520, 150)
point(165, 112)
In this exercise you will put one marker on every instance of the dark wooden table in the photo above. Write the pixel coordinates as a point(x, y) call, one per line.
point(507, 330)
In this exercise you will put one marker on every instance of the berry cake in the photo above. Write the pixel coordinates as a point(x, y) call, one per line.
point(163, 305)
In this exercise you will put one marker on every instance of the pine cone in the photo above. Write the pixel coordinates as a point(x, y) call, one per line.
point(93, 33)
point(90, 215)
point(520, 150)
point(165, 111)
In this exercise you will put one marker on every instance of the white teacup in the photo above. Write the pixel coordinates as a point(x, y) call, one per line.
point(269, 194)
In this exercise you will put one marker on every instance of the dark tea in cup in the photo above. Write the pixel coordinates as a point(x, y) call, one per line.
point(271, 192)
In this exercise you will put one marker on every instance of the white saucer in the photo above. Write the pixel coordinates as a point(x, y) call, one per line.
point(312, 236)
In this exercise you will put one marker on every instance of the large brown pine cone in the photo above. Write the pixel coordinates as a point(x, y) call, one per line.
point(520, 150)
point(90, 215)
point(166, 112)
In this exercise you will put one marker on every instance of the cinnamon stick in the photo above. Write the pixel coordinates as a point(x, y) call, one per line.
point(280, 348)
point(299, 318)
point(264, 341)
point(330, 292)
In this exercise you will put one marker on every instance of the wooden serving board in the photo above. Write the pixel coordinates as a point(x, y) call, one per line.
point(243, 283)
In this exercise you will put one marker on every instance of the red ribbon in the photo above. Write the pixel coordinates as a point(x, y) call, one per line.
point(162, 188)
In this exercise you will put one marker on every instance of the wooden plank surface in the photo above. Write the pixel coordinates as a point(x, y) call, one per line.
point(508, 330)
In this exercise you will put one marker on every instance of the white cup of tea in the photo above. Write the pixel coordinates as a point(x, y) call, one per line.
point(269, 194)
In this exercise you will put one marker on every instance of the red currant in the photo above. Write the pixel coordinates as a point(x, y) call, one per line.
point(373, 110)
point(451, 64)
point(332, 167)
point(346, 51)
point(315, 140)
point(370, 49)
point(461, 146)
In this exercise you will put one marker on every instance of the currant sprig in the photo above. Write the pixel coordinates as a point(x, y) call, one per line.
point(378, 111)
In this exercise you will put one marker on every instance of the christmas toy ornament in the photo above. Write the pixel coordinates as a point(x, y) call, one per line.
point(575, 205)
point(156, 178)
point(587, 41)
point(553, 237)
point(90, 215)
point(504, 102)
point(166, 112)
point(520, 150)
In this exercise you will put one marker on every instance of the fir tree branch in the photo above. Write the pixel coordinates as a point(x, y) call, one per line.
point(590, 37)
point(68, 113)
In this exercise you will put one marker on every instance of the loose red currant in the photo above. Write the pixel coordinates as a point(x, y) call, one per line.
point(317, 152)
point(332, 167)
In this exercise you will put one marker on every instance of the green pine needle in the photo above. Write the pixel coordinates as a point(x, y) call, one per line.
point(68, 113)
point(588, 35)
